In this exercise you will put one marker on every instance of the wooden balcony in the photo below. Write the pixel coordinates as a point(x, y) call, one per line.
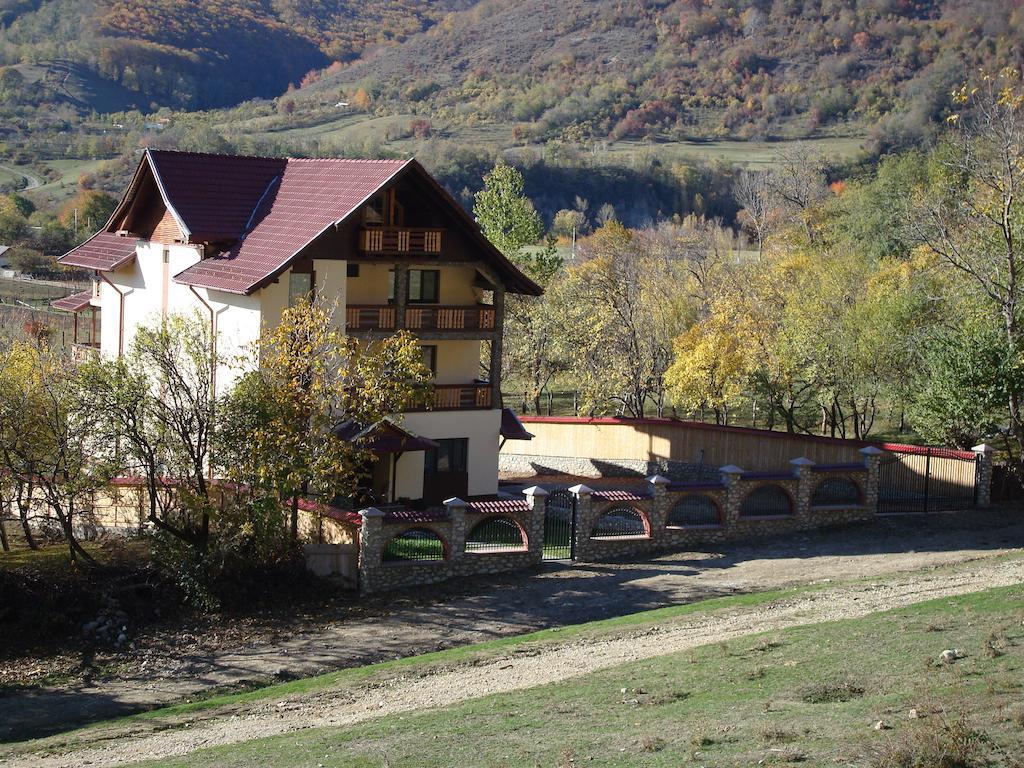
point(458, 397)
point(369, 317)
point(400, 240)
point(81, 353)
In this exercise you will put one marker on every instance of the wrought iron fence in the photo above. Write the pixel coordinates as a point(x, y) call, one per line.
point(619, 521)
point(767, 501)
point(835, 491)
point(559, 525)
point(694, 511)
point(414, 544)
point(495, 533)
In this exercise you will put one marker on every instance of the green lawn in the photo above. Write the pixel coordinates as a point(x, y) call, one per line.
point(54, 557)
point(808, 695)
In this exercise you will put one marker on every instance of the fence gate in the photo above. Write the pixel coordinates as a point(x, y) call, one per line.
point(560, 525)
point(932, 480)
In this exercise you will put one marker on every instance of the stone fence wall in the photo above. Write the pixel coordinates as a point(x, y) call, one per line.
point(740, 505)
point(450, 527)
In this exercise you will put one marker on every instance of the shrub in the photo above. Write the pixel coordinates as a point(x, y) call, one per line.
point(936, 742)
point(830, 692)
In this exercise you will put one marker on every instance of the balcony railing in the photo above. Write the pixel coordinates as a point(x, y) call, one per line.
point(400, 240)
point(382, 318)
point(82, 353)
point(455, 397)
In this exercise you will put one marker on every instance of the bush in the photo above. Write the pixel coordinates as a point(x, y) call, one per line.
point(937, 742)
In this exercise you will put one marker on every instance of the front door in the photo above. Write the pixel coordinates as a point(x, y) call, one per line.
point(445, 470)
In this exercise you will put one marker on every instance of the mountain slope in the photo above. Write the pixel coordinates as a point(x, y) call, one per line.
point(204, 53)
point(586, 69)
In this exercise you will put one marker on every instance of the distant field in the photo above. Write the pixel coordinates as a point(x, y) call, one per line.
point(53, 193)
point(349, 131)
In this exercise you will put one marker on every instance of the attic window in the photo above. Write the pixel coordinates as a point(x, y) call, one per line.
point(373, 213)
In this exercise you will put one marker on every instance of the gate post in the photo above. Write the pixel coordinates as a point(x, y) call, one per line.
point(873, 461)
point(583, 521)
point(983, 476)
point(731, 480)
point(659, 505)
point(537, 501)
point(802, 470)
point(457, 539)
point(371, 542)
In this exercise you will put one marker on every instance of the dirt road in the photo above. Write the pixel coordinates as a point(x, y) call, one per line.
point(31, 180)
point(513, 672)
point(166, 666)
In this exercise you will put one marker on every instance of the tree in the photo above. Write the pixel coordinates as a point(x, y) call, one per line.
point(618, 314)
point(279, 433)
point(753, 192)
point(505, 214)
point(157, 404)
point(50, 437)
point(971, 215)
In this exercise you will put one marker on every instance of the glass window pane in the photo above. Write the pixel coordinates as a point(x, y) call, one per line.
point(300, 285)
point(415, 284)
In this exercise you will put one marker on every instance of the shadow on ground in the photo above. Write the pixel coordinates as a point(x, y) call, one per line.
point(427, 619)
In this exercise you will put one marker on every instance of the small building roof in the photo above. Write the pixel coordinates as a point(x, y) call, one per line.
point(104, 251)
point(76, 302)
point(511, 427)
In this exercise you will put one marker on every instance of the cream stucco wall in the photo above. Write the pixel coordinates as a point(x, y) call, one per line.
point(481, 427)
point(458, 362)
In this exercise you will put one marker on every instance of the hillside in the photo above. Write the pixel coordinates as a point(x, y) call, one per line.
point(579, 69)
point(199, 53)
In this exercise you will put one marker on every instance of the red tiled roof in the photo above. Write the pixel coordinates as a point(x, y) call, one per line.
point(614, 495)
point(214, 195)
point(415, 515)
point(499, 506)
point(76, 302)
point(263, 211)
point(311, 196)
point(104, 251)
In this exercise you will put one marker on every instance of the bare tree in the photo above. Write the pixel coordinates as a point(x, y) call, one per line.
point(753, 192)
point(798, 182)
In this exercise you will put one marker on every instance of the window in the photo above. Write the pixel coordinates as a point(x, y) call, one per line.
point(300, 286)
point(449, 456)
point(424, 286)
point(353, 270)
point(430, 357)
point(373, 213)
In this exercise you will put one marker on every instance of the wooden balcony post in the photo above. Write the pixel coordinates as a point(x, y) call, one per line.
point(401, 293)
point(499, 324)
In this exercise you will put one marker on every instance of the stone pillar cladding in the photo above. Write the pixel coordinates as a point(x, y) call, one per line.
point(660, 506)
point(802, 470)
point(983, 487)
point(733, 492)
point(457, 538)
point(537, 500)
point(371, 544)
point(584, 520)
point(873, 462)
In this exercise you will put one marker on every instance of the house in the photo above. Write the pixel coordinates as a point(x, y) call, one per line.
point(239, 239)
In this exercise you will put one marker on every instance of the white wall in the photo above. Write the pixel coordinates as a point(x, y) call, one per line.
point(481, 427)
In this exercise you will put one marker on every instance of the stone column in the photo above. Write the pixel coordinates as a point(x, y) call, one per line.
point(371, 545)
point(457, 538)
point(983, 489)
point(496, 345)
point(584, 520)
point(805, 486)
point(873, 461)
point(733, 492)
point(537, 501)
point(660, 503)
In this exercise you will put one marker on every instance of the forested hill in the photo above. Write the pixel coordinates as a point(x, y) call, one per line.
point(576, 70)
point(579, 69)
point(194, 53)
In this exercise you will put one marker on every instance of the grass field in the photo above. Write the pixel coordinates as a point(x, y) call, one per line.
point(810, 695)
point(53, 193)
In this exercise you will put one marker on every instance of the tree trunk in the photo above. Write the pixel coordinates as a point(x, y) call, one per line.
point(24, 505)
point(3, 534)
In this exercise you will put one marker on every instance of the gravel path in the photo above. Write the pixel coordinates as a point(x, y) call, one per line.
point(170, 664)
point(554, 663)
